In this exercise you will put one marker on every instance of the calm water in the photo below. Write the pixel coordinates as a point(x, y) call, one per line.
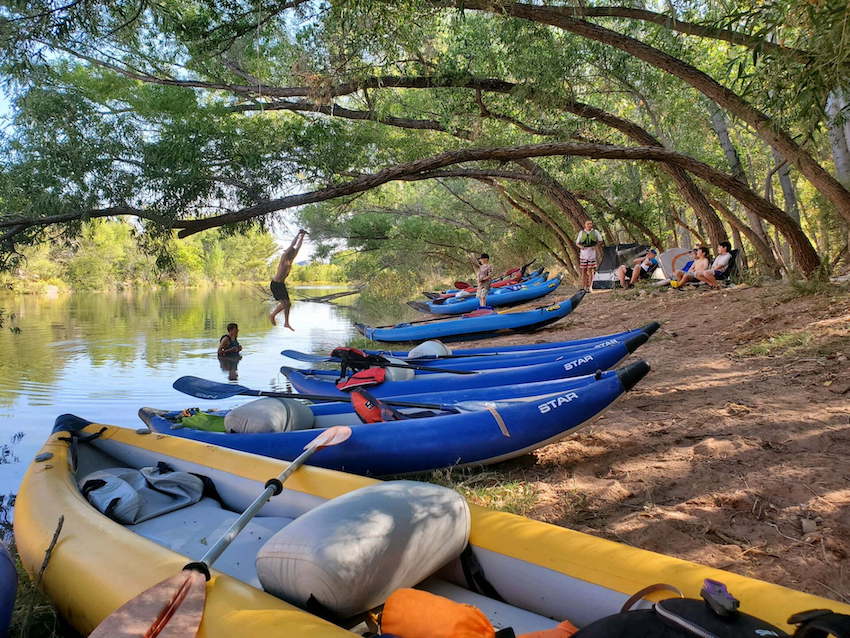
point(103, 356)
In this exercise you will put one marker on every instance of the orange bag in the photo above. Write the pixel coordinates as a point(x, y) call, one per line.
point(564, 630)
point(411, 613)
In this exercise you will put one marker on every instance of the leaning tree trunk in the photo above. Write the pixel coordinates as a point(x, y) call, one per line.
point(702, 82)
point(804, 253)
point(721, 129)
point(788, 191)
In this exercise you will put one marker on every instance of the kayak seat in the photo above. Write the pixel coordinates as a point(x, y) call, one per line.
point(347, 555)
point(269, 415)
point(191, 530)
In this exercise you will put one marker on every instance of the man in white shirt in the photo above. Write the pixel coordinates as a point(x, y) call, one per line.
point(588, 241)
point(719, 269)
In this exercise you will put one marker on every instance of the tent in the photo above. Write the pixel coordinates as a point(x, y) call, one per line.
point(612, 258)
point(674, 259)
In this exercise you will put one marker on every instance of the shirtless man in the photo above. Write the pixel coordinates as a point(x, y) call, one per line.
point(277, 285)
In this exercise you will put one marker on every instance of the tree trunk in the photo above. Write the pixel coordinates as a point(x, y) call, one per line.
point(563, 199)
point(721, 129)
point(788, 192)
point(804, 253)
point(541, 217)
point(704, 83)
point(839, 140)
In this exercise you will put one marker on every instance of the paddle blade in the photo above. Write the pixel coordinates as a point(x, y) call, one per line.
point(205, 389)
point(171, 609)
point(332, 436)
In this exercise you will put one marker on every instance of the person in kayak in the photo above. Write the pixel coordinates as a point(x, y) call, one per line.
point(589, 242)
point(484, 277)
point(277, 285)
point(642, 269)
point(719, 267)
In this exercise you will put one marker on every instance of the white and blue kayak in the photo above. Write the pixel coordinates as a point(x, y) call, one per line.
point(507, 296)
point(483, 361)
point(577, 363)
point(650, 329)
point(485, 426)
point(474, 325)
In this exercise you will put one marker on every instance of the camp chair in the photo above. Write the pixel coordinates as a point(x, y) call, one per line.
point(731, 272)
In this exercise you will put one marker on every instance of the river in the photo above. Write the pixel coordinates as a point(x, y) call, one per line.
point(102, 356)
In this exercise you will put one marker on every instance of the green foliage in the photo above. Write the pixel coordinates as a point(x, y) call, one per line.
point(108, 256)
point(94, 134)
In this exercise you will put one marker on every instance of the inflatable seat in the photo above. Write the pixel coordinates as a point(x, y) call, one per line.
point(350, 553)
point(269, 415)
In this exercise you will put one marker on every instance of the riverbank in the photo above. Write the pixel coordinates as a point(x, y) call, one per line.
point(733, 452)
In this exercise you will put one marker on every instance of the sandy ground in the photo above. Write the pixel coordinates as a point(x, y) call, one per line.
point(734, 461)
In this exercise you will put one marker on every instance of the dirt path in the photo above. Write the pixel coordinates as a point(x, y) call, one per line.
point(734, 452)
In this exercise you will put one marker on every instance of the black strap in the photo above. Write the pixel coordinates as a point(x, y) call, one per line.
point(91, 485)
point(316, 608)
point(74, 438)
point(474, 574)
point(820, 623)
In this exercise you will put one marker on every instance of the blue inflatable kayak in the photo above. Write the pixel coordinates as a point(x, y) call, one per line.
point(8, 587)
point(579, 362)
point(496, 432)
point(507, 296)
point(474, 327)
point(478, 362)
point(650, 329)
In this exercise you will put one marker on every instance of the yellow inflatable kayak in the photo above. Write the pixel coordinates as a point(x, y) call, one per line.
point(543, 573)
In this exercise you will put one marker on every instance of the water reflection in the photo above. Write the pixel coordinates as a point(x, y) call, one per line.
point(103, 356)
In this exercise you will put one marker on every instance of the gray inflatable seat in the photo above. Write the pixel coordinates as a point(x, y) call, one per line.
point(269, 415)
point(352, 552)
point(431, 348)
point(399, 374)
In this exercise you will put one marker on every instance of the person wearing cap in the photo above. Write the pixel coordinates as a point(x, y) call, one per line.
point(484, 277)
point(642, 269)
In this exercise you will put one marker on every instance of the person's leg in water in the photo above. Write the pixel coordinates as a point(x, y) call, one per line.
point(278, 287)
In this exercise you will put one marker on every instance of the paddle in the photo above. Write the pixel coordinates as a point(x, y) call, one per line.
point(310, 358)
point(318, 358)
point(213, 390)
point(175, 606)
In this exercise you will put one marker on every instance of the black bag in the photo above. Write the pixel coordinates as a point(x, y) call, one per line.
point(715, 616)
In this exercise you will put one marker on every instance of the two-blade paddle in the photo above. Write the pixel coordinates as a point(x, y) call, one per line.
point(213, 390)
point(316, 358)
point(174, 607)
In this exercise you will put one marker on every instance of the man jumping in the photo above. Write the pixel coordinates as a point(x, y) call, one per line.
point(277, 285)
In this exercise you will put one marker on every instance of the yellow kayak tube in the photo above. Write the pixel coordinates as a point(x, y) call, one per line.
point(323, 552)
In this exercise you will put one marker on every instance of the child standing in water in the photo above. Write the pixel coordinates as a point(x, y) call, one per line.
point(277, 285)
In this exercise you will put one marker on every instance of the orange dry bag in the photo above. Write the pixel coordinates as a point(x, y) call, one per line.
point(411, 613)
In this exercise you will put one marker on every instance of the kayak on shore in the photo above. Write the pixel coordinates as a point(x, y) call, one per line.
point(308, 543)
point(494, 426)
point(475, 325)
point(579, 362)
point(507, 296)
point(650, 329)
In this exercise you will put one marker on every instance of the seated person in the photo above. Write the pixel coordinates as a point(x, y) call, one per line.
point(643, 268)
point(719, 269)
point(688, 273)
